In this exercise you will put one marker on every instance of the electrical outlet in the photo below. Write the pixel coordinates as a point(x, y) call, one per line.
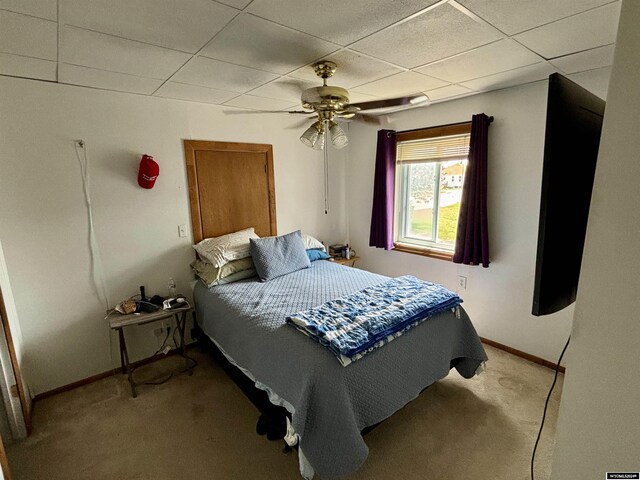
point(182, 231)
point(462, 282)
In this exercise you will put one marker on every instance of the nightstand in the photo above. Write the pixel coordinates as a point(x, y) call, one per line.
point(121, 321)
point(349, 262)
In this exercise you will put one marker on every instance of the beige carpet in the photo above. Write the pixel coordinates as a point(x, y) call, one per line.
point(203, 427)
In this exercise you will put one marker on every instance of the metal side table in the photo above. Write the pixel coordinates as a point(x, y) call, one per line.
point(121, 321)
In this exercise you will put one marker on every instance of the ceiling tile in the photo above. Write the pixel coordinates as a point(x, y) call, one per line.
point(258, 43)
point(493, 58)
point(596, 81)
point(27, 67)
point(259, 103)
point(401, 84)
point(436, 34)
point(337, 21)
point(186, 25)
point(194, 93)
point(515, 16)
point(594, 28)
point(353, 69)
point(589, 60)
point(106, 52)
point(239, 4)
point(120, 82)
point(449, 91)
point(286, 88)
point(531, 73)
point(28, 36)
point(37, 8)
point(221, 75)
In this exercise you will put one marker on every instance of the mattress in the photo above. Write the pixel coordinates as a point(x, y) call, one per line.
point(330, 404)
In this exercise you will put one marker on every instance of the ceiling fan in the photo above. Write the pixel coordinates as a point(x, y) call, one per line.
point(330, 102)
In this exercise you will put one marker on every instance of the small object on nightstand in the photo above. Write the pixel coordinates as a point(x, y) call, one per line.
point(172, 287)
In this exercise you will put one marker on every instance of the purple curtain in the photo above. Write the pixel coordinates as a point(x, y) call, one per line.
point(381, 235)
point(472, 239)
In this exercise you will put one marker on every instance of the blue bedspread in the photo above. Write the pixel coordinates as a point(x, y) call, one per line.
point(357, 324)
point(330, 404)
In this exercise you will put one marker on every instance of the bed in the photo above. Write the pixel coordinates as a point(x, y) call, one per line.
point(329, 404)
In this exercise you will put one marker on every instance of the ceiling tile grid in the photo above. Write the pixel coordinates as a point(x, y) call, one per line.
point(254, 42)
point(588, 60)
point(185, 26)
point(119, 82)
point(515, 16)
point(106, 52)
point(206, 72)
point(47, 9)
point(353, 69)
point(496, 57)
point(28, 36)
point(28, 67)
point(518, 76)
point(584, 31)
point(438, 33)
point(338, 21)
point(194, 93)
point(258, 54)
point(401, 84)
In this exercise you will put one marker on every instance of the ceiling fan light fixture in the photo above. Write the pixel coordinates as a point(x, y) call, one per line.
point(311, 134)
point(338, 137)
point(319, 145)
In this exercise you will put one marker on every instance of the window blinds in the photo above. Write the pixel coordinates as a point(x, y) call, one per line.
point(436, 149)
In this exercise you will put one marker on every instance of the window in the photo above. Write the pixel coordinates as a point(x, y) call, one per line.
point(430, 167)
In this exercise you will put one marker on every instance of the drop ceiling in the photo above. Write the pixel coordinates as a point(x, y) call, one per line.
point(257, 54)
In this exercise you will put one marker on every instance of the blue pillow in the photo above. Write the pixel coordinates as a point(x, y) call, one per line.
point(315, 254)
point(277, 256)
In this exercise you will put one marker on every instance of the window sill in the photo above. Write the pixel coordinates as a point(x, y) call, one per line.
point(424, 251)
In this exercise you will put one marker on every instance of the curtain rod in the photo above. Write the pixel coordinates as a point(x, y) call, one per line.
point(447, 125)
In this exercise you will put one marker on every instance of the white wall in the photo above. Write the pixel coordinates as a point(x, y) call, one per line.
point(599, 422)
point(43, 218)
point(498, 299)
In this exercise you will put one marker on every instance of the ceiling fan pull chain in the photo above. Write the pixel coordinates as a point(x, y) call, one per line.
point(326, 175)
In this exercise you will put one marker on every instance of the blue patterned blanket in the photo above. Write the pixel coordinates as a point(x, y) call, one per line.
point(357, 324)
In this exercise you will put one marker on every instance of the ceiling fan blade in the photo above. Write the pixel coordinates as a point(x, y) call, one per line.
point(412, 100)
point(243, 112)
point(364, 118)
point(303, 122)
point(361, 117)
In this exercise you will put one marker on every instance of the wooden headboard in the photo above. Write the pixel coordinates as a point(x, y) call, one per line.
point(231, 188)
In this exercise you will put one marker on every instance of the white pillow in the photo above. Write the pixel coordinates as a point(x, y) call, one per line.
point(312, 243)
point(221, 250)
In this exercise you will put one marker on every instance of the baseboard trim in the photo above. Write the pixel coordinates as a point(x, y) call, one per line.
point(100, 376)
point(521, 354)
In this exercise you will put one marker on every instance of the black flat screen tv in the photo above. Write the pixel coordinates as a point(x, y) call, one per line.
point(572, 138)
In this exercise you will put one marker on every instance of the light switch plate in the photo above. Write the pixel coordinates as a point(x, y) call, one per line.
point(182, 231)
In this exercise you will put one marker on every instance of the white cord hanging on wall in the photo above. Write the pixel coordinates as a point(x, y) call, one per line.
point(97, 272)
